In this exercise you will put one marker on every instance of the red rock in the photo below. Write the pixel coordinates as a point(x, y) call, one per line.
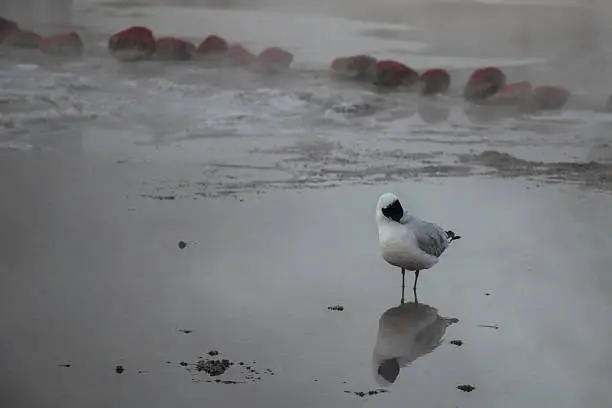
point(434, 81)
point(18, 38)
point(213, 45)
point(548, 97)
point(273, 60)
point(360, 67)
point(132, 44)
point(394, 73)
point(238, 55)
point(483, 83)
point(6, 26)
point(68, 44)
point(173, 49)
point(512, 94)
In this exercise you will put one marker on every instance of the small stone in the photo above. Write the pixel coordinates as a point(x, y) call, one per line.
point(466, 388)
point(182, 245)
point(337, 307)
point(186, 331)
point(213, 353)
point(119, 369)
point(458, 343)
point(184, 363)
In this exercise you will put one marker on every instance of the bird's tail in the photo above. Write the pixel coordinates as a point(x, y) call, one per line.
point(452, 236)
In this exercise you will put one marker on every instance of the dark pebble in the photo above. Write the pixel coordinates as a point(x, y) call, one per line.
point(184, 364)
point(182, 244)
point(457, 342)
point(466, 388)
point(186, 331)
point(213, 353)
point(337, 307)
point(119, 369)
point(65, 365)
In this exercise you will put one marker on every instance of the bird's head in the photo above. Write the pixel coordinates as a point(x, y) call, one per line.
point(389, 208)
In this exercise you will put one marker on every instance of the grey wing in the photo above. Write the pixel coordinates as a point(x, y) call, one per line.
point(431, 238)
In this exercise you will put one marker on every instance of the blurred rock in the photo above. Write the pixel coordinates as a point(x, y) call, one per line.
point(66, 44)
point(132, 44)
point(239, 56)
point(483, 83)
point(548, 98)
point(434, 81)
point(273, 60)
point(6, 27)
point(212, 49)
point(19, 38)
point(394, 73)
point(173, 49)
point(358, 67)
point(516, 93)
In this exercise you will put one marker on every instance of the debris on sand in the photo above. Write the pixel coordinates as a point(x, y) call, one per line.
point(489, 326)
point(160, 197)
point(213, 367)
point(457, 343)
point(244, 372)
point(363, 394)
point(186, 331)
point(65, 365)
point(119, 369)
point(466, 388)
point(182, 244)
point(337, 308)
point(183, 364)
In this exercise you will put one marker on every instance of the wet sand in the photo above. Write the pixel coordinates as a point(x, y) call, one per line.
point(152, 213)
point(93, 277)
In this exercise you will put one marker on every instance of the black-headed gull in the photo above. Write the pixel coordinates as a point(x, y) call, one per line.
point(407, 241)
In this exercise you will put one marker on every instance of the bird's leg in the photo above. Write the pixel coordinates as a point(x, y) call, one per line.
point(403, 283)
point(416, 278)
point(416, 298)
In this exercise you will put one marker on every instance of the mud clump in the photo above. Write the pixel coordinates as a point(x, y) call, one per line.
point(363, 394)
point(466, 388)
point(338, 308)
point(213, 367)
point(457, 343)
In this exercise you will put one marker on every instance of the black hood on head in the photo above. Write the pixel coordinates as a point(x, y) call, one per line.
point(394, 211)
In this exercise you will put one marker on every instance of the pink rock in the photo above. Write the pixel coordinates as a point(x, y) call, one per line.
point(238, 55)
point(483, 83)
point(173, 49)
point(548, 97)
point(273, 60)
point(132, 44)
point(434, 81)
point(359, 67)
point(512, 94)
point(213, 45)
point(393, 73)
point(67, 44)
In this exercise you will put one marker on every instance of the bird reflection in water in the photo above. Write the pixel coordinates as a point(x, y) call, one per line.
point(405, 333)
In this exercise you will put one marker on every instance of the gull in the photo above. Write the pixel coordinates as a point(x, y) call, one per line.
point(406, 241)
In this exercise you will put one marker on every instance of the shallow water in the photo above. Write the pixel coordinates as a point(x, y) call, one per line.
point(105, 167)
